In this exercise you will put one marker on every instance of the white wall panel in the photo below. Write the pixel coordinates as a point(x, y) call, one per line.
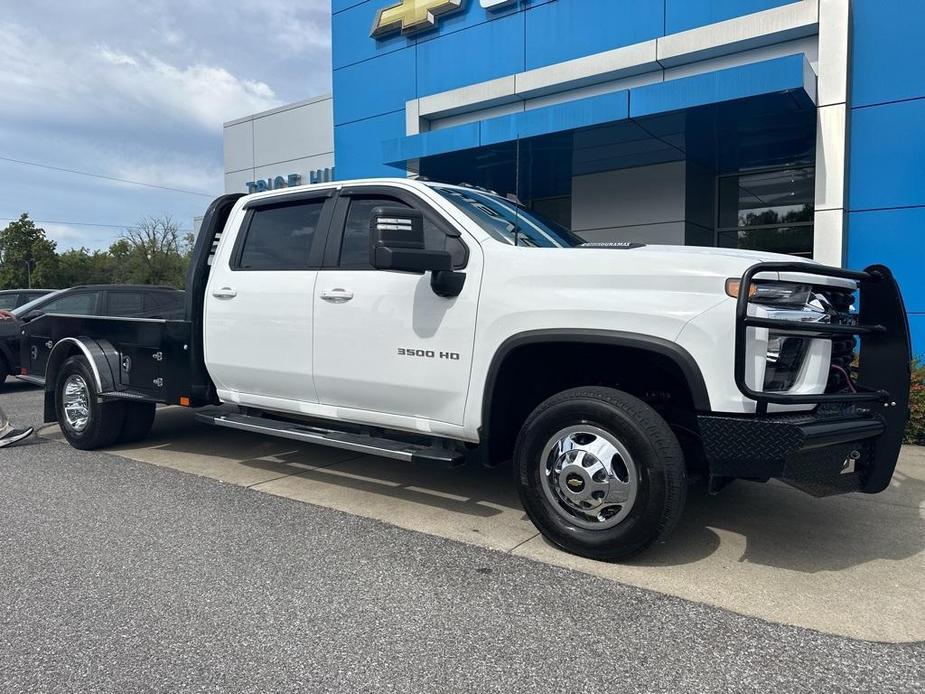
point(294, 133)
point(239, 146)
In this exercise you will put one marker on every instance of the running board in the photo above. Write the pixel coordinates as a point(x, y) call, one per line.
point(358, 443)
point(31, 380)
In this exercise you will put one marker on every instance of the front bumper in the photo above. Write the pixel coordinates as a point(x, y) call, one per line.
point(851, 440)
point(821, 454)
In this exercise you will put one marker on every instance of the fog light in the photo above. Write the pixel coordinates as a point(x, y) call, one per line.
point(785, 356)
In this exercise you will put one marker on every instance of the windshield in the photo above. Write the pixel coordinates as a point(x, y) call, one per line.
point(508, 221)
point(25, 308)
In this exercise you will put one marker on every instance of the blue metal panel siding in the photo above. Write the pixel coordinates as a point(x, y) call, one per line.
point(360, 149)
point(886, 186)
point(888, 156)
point(894, 238)
point(476, 54)
point(356, 22)
point(885, 236)
point(681, 15)
point(569, 29)
point(780, 74)
point(341, 5)
point(889, 53)
point(374, 87)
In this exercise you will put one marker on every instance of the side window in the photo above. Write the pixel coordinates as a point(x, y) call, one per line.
point(76, 304)
point(8, 301)
point(354, 251)
point(168, 305)
point(280, 237)
point(125, 304)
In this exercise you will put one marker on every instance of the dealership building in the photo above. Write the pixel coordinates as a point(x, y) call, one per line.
point(796, 127)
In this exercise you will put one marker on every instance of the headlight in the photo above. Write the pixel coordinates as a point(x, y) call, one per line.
point(779, 294)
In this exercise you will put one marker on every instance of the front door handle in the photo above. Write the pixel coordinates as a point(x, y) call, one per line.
point(337, 296)
point(225, 293)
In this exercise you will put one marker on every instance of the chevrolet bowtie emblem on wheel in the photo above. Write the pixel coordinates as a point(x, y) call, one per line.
point(412, 16)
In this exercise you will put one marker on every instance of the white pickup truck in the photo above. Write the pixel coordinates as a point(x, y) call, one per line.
point(442, 324)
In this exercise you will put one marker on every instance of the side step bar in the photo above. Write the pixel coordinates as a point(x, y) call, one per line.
point(358, 443)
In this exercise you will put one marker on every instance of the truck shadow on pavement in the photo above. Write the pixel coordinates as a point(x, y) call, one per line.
point(765, 524)
point(784, 528)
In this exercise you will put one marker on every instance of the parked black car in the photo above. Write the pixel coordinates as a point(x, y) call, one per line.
point(116, 300)
point(14, 298)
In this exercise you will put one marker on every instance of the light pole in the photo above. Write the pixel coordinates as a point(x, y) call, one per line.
point(29, 265)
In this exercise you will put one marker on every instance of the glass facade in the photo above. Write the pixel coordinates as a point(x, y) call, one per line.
point(770, 210)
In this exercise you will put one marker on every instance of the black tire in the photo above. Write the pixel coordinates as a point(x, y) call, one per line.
point(104, 420)
point(139, 417)
point(660, 485)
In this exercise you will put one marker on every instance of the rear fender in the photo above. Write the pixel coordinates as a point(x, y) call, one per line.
point(100, 355)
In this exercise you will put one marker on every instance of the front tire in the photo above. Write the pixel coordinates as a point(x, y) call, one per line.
point(86, 423)
point(600, 473)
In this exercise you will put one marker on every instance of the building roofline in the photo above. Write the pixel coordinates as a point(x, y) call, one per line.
point(279, 109)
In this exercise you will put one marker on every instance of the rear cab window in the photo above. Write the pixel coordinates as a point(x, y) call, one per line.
point(280, 236)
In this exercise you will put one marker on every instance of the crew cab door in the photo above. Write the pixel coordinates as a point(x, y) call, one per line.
point(258, 303)
point(384, 341)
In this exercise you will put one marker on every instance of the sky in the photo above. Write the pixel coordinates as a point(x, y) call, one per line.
point(139, 90)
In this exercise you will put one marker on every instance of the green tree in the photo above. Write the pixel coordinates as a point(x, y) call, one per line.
point(27, 256)
point(81, 266)
point(153, 252)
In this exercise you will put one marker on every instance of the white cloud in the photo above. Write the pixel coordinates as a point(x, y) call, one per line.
point(139, 89)
point(203, 94)
point(92, 82)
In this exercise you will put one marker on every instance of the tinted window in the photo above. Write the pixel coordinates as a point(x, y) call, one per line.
point(164, 305)
point(280, 237)
point(76, 304)
point(354, 252)
point(127, 304)
point(26, 297)
point(508, 221)
point(8, 301)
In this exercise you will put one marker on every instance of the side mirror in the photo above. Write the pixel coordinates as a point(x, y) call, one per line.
point(32, 315)
point(397, 242)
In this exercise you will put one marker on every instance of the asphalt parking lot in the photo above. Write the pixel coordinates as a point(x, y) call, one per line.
point(122, 572)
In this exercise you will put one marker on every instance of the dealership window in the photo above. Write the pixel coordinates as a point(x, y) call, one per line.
point(770, 210)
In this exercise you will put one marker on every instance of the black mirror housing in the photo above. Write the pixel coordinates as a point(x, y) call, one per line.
point(397, 242)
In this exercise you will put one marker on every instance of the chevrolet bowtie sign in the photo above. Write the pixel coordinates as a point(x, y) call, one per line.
point(412, 16)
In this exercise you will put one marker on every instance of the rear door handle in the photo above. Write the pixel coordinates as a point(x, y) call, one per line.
point(337, 296)
point(225, 293)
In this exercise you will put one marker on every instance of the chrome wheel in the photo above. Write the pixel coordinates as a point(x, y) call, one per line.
point(589, 477)
point(76, 403)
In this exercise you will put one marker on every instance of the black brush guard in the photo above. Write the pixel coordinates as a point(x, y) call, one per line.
point(851, 440)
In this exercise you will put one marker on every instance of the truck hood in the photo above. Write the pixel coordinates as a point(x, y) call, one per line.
point(694, 261)
point(695, 253)
point(694, 267)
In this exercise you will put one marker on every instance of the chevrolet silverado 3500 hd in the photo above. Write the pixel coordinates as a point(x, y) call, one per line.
point(440, 324)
